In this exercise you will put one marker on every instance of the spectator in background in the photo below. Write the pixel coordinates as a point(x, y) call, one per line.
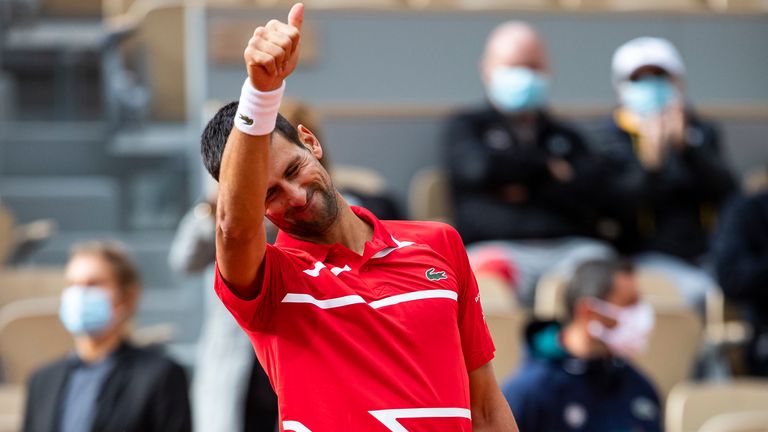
point(575, 376)
point(670, 178)
point(519, 177)
point(107, 384)
point(740, 253)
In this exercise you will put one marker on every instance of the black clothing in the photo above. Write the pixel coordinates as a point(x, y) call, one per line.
point(740, 256)
point(261, 413)
point(486, 153)
point(144, 392)
point(670, 210)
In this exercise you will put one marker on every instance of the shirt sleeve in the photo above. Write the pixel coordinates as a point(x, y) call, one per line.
point(476, 342)
point(256, 314)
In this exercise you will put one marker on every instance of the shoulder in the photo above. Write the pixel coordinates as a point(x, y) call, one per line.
point(472, 116)
point(532, 380)
point(45, 373)
point(151, 361)
point(428, 232)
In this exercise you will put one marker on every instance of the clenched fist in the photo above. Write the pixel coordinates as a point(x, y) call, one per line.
point(273, 51)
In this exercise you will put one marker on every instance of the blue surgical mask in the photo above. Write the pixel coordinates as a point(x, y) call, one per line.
point(86, 310)
point(516, 89)
point(647, 96)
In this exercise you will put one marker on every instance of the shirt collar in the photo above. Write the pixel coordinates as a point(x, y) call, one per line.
point(381, 238)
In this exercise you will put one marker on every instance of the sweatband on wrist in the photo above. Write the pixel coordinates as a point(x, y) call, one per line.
point(257, 110)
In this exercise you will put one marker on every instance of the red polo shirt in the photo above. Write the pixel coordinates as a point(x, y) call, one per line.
point(373, 343)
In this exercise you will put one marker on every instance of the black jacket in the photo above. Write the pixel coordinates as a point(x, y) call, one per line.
point(673, 209)
point(740, 253)
point(144, 392)
point(485, 155)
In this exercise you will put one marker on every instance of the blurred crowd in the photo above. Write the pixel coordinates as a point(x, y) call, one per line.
point(534, 198)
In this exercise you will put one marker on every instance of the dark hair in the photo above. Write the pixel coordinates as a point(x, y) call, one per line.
point(125, 271)
point(216, 132)
point(593, 278)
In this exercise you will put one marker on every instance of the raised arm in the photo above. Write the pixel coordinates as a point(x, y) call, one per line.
point(271, 55)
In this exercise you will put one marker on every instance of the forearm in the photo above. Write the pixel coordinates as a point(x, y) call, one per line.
point(490, 411)
point(495, 417)
point(242, 185)
point(240, 237)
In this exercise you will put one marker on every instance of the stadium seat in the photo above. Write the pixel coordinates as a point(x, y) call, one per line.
point(327, 4)
point(6, 234)
point(429, 195)
point(158, 46)
point(691, 405)
point(739, 5)
point(12, 399)
point(658, 289)
point(29, 283)
point(495, 294)
point(507, 333)
point(628, 5)
point(31, 335)
point(755, 181)
point(747, 421)
point(359, 179)
point(672, 349)
point(483, 4)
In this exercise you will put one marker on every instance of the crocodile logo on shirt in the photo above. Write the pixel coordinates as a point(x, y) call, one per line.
point(247, 120)
point(435, 275)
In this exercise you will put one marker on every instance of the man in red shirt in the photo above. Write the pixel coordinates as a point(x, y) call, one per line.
point(362, 325)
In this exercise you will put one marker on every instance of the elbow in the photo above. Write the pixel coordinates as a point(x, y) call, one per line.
point(230, 229)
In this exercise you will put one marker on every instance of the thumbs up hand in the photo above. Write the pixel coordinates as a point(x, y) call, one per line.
point(273, 51)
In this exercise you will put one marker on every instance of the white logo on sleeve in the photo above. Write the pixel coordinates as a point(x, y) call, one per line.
point(644, 409)
point(575, 415)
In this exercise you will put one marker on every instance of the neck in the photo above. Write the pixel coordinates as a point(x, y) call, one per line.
point(92, 349)
point(347, 230)
point(579, 343)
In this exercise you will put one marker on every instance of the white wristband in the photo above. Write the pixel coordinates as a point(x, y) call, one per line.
point(257, 110)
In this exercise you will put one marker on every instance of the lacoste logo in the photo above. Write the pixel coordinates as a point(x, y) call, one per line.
point(247, 120)
point(435, 275)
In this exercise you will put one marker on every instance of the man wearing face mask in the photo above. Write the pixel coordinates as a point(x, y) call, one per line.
point(519, 177)
point(107, 384)
point(576, 376)
point(669, 178)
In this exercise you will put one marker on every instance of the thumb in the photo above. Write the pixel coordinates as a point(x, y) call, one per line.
point(296, 15)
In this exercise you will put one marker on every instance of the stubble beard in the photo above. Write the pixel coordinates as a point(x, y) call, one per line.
point(325, 213)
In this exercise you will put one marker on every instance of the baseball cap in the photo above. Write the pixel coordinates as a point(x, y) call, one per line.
point(646, 51)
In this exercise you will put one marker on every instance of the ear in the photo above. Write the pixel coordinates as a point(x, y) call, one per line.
point(131, 300)
point(310, 140)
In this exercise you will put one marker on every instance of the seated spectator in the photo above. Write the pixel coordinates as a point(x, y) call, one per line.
point(740, 253)
point(669, 177)
point(107, 384)
point(518, 175)
point(576, 376)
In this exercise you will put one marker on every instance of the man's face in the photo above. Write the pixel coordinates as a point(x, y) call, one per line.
point(301, 199)
point(624, 293)
point(514, 46)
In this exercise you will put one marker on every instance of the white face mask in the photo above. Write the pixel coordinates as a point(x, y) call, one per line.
point(629, 336)
point(517, 89)
point(86, 310)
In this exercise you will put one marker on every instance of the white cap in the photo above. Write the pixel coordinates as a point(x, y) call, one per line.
point(646, 51)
